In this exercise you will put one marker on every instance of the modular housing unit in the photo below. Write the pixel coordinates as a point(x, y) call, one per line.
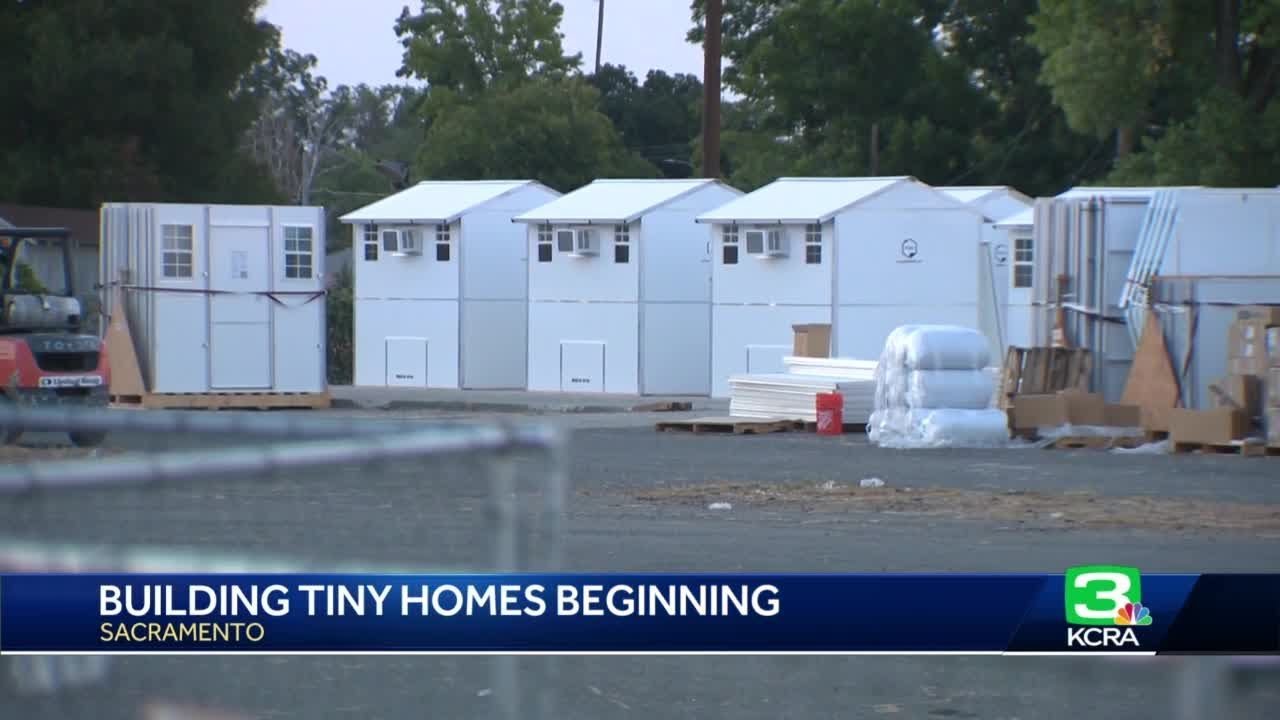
point(219, 298)
point(997, 202)
point(1180, 252)
point(440, 285)
point(863, 254)
point(620, 288)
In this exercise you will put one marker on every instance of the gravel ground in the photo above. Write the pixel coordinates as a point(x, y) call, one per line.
point(640, 503)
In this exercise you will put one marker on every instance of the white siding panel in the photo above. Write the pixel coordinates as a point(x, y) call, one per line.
point(735, 327)
point(435, 320)
point(614, 324)
point(677, 348)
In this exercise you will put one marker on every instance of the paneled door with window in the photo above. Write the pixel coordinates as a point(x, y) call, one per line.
point(239, 310)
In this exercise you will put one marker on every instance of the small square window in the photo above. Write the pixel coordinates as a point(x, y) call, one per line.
point(813, 254)
point(298, 252)
point(177, 257)
point(1022, 276)
point(371, 251)
point(621, 243)
point(442, 252)
point(730, 254)
point(545, 252)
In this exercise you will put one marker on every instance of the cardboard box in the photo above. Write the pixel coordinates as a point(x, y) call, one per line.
point(1247, 366)
point(1273, 388)
point(1030, 412)
point(1242, 392)
point(1208, 427)
point(1268, 314)
point(1123, 416)
point(1247, 339)
point(812, 340)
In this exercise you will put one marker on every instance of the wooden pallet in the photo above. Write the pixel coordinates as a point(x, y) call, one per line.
point(1239, 447)
point(665, 406)
point(1044, 370)
point(224, 401)
point(850, 428)
point(1098, 442)
point(737, 426)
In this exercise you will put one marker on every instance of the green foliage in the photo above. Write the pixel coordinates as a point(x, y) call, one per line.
point(124, 99)
point(659, 119)
point(28, 281)
point(465, 47)
point(340, 314)
point(548, 129)
point(1225, 144)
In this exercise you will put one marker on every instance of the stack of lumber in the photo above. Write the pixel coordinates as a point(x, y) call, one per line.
point(787, 396)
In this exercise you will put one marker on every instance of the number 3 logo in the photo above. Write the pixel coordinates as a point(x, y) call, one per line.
point(1094, 594)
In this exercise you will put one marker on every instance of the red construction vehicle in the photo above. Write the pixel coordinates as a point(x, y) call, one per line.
point(46, 357)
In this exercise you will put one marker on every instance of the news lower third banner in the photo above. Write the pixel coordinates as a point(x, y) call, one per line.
point(1089, 609)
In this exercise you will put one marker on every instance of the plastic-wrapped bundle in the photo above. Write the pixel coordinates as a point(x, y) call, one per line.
point(940, 428)
point(955, 389)
point(936, 347)
point(933, 390)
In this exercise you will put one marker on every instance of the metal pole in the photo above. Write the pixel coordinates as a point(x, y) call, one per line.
point(711, 91)
point(599, 34)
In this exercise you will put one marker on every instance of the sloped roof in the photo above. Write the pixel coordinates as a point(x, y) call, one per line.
point(434, 201)
point(1026, 218)
point(614, 201)
point(974, 193)
point(809, 199)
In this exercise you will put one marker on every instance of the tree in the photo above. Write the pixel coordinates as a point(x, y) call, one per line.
point(465, 47)
point(300, 124)
point(834, 73)
point(127, 100)
point(659, 119)
point(548, 129)
point(1189, 87)
point(1025, 140)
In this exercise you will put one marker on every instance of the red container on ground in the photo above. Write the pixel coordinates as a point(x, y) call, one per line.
point(830, 410)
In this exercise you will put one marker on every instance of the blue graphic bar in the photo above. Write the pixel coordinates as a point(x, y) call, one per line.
point(1089, 609)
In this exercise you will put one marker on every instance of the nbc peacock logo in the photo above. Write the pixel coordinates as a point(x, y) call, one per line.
point(1133, 614)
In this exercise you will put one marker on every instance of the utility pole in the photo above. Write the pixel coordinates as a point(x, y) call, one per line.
point(875, 149)
point(599, 34)
point(711, 91)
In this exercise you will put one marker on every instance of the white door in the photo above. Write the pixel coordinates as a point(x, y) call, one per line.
point(767, 359)
point(582, 367)
point(406, 362)
point(239, 322)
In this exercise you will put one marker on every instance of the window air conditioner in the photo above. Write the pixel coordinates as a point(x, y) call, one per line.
point(585, 243)
point(402, 242)
point(766, 243)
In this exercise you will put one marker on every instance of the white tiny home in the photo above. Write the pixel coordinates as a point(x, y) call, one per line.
point(620, 288)
point(997, 202)
point(219, 298)
point(863, 254)
point(440, 285)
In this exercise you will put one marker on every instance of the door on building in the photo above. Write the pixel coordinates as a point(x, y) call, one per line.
point(240, 355)
point(582, 367)
point(406, 362)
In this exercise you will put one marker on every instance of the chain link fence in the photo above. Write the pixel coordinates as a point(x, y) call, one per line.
point(254, 492)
